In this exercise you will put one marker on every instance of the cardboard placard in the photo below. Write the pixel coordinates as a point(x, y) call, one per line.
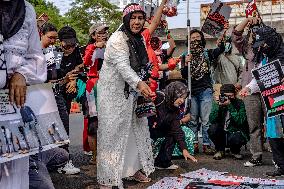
point(23, 131)
point(269, 78)
point(216, 19)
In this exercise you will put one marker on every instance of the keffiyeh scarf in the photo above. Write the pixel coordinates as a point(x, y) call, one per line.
point(198, 64)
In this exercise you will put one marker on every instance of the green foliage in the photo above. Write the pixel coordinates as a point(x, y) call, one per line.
point(86, 12)
point(81, 16)
point(41, 6)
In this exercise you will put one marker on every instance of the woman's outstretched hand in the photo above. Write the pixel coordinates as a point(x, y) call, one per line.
point(145, 90)
point(187, 156)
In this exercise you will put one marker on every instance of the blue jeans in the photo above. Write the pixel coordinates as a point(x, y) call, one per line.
point(200, 110)
point(50, 161)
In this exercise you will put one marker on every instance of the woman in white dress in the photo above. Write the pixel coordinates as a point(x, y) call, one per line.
point(21, 64)
point(124, 145)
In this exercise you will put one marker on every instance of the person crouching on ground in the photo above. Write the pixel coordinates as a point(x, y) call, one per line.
point(229, 127)
point(167, 124)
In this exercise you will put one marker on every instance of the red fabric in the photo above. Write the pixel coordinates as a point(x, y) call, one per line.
point(93, 72)
point(153, 85)
point(172, 63)
point(91, 83)
point(86, 146)
point(150, 51)
point(153, 59)
point(224, 183)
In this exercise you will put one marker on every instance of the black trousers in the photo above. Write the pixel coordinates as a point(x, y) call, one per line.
point(277, 147)
point(172, 133)
point(64, 115)
point(61, 105)
point(223, 139)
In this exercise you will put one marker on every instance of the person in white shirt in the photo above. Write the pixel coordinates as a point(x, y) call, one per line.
point(21, 64)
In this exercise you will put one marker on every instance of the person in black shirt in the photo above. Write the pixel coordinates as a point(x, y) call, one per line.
point(58, 76)
point(167, 124)
point(201, 60)
point(71, 62)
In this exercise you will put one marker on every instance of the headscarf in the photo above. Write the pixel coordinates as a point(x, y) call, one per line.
point(12, 16)
point(198, 63)
point(174, 91)
point(269, 36)
point(138, 53)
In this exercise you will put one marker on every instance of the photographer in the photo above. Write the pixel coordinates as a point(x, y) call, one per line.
point(228, 123)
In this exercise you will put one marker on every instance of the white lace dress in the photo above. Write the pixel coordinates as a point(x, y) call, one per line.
point(124, 144)
point(23, 54)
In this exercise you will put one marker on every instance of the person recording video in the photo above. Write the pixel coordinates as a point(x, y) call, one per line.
point(228, 123)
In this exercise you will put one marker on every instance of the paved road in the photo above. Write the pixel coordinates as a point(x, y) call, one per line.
point(87, 178)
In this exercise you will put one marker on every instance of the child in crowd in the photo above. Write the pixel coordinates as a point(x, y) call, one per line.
point(167, 124)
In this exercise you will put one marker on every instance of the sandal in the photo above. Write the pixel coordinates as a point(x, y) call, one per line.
point(139, 176)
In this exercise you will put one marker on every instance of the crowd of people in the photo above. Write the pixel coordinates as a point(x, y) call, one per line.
point(134, 94)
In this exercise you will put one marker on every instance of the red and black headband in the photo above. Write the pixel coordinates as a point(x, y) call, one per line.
point(132, 8)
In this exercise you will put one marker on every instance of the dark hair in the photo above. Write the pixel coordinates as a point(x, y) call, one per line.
point(48, 27)
point(201, 34)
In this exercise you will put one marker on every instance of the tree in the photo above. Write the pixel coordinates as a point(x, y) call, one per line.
point(86, 12)
point(81, 16)
point(41, 6)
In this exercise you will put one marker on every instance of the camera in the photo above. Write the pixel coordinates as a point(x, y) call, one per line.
point(223, 98)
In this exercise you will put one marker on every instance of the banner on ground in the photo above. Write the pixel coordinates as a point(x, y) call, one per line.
point(36, 126)
point(217, 18)
point(269, 78)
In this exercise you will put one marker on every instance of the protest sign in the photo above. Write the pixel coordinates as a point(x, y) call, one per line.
point(216, 19)
point(269, 78)
point(53, 60)
point(23, 131)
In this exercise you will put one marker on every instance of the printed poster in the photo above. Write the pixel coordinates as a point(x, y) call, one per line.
point(269, 82)
point(216, 19)
point(24, 131)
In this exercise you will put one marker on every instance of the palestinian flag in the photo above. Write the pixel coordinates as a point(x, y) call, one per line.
point(275, 101)
point(251, 8)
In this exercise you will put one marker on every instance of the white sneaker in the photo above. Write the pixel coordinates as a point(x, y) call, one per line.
point(172, 167)
point(90, 153)
point(68, 169)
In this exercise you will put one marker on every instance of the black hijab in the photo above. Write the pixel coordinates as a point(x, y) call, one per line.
point(138, 56)
point(138, 53)
point(12, 16)
point(174, 91)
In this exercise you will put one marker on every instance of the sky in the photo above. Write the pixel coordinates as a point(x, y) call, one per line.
point(174, 22)
point(63, 5)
